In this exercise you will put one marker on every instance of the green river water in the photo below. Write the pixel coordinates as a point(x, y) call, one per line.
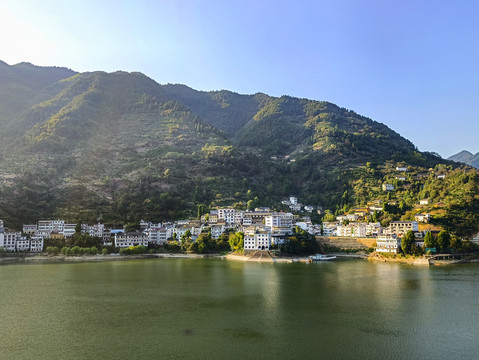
point(217, 309)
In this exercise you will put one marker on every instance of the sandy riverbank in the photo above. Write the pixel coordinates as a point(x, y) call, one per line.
point(40, 258)
point(242, 258)
point(418, 261)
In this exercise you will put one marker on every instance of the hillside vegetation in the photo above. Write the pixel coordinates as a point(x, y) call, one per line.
point(118, 147)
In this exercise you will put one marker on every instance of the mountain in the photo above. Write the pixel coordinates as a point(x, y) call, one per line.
point(118, 147)
point(466, 157)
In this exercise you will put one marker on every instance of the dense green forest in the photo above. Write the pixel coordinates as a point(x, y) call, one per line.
point(118, 147)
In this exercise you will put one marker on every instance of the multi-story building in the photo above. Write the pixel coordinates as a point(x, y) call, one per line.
point(29, 229)
point(388, 244)
point(49, 226)
point(257, 217)
point(69, 230)
point(374, 229)
point(217, 230)
point(36, 244)
point(228, 215)
point(329, 229)
point(10, 240)
point(157, 235)
point(22, 244)
point(257, 239)
point(96, 230)
point(44, 226)
point(130, 239)
point(351, 230)
point(239, 215)
point(401, 227)
point(279, 223)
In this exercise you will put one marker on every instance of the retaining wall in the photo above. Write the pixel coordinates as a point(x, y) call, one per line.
point(347, 242)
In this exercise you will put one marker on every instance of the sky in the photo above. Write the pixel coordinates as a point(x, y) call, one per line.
point(412, 65)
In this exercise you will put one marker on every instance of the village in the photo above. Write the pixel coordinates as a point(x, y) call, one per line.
point(262, 229)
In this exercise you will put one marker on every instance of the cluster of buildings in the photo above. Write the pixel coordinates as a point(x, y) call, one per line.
point(293, 204)
point(261, 227)
point(13, 241)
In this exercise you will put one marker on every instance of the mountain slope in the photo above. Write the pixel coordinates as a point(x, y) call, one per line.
point(466, 157)
point(119, 147)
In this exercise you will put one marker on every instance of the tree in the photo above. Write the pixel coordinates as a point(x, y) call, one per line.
point(443, 240)
point(328, 217)
point(236, 241)
point(186, 240)
point(78, 227)
point(301, 242)
point(200, 210)
point(407, 242)
point(429, 240)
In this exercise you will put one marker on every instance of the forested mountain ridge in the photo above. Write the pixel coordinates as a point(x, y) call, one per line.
point(118, 147)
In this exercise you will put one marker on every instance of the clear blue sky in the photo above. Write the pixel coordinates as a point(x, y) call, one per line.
point(412, 65)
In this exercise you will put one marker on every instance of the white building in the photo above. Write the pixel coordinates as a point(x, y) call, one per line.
point(36, 244)
point(306, 226)
point(388, 187)
point(216, 231)
point(130, 239)
point(295, 207)
point(158, 235)
point(239, 215)
point(424, 202)
point(10, 240)
point(227, 214)
point(373, 229)
point(257, 239)
point(329, 229)
point(96, 230)
point(247, 221)
point(399, 228)
point(388, 244)
point(279, 223)
point(22, 244)
point(352, 217)
point(403, 169)
point(424, 218)
point(49, 226)
point(69, 230)
point(29, 229)
point(351, 230)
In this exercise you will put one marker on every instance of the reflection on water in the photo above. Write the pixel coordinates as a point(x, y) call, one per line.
point(193, 309)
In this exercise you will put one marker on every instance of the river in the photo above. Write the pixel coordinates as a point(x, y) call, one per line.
point(217, 309)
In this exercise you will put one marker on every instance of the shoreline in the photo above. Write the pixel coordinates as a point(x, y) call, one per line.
point(418, 261)
point(62, 259)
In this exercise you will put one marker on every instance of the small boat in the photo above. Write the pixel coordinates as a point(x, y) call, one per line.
point(321, 257)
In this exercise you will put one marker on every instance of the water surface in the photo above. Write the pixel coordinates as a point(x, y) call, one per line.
point(215, 309)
